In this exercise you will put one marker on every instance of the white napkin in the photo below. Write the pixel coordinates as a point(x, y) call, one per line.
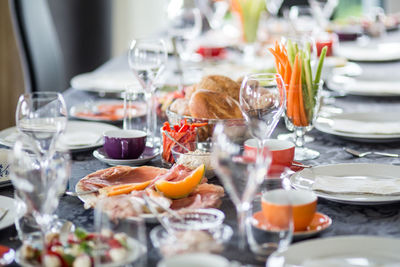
point(344, 262)
point(357, 185)
point(360, 127)
point(381, 87)
point(80, 138)
point(107, 80)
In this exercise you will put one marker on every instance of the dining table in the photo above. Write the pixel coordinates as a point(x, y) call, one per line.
point(347, 219)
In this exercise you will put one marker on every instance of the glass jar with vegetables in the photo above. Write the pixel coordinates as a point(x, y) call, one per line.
point(182, 133)
point(303, 91)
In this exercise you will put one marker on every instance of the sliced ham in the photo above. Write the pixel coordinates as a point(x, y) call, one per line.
point(204, 196)
point(120, 175)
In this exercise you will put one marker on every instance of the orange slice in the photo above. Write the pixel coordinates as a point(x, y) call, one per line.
point(181, 189)
point(114, 190)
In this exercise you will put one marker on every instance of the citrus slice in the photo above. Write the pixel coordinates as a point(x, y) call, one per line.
point(182, 188)
point(114, 190)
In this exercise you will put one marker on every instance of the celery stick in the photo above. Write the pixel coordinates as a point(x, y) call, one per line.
point(310, 100)
point(320, 65)
point(290, 50)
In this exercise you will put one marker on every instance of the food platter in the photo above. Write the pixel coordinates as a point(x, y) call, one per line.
point(348, 172)
point(107, 111)
point(360, 126)
point(340, 251)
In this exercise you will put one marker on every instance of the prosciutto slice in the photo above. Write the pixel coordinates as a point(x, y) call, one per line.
point(120, 175)
point(204, 196)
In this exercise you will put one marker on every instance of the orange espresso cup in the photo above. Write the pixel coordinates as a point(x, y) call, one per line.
point(276, 207)
point(282, 153)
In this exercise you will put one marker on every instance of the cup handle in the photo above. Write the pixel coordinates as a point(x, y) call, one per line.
point(125, 148)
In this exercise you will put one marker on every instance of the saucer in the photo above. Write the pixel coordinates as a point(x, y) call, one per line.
point(148, 154)
point(319, 223)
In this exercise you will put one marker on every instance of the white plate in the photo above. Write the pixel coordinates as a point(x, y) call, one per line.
point(147, 155)
point(379, 52)
point(365, 85)
point(10, 204)
point(369, 250)
point(79, 135)
point(305, 179)
point(325, 125)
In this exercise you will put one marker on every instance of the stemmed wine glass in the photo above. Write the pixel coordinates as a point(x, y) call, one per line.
point(214, 11)
point(147, 59)
point(240, 174)
point(184, 24)
point(39, 186)
point(43, 116)
point(262, 101)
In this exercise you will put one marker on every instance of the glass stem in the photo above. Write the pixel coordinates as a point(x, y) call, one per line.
point(299, 136)
point(149, 116)
point(241, 216)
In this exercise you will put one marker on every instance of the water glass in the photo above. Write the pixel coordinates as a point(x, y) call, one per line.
point(42, 116)
point(134, 108)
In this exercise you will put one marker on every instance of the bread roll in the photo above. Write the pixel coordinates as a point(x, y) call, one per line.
point(221, 84)
point(180, 106)
point(213, 105)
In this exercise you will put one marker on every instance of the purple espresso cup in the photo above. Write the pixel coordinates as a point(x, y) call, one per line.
point(124, 144)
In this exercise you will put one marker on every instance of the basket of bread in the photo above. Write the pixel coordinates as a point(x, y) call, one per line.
point(213, 99)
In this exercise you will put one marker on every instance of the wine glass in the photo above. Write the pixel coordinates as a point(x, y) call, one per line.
point(147, 59)
point(38, 186)
point(262, 101)
point(43, 116)
point(120, 241)
point(184, 24)
point(240, 174)
point(249, 13)
point(214, 11)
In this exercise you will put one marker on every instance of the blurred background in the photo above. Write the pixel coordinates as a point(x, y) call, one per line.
point(91, 32)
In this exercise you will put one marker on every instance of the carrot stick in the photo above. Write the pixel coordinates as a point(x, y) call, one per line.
point(291, 93)
point(277, 56)
point(295, 100)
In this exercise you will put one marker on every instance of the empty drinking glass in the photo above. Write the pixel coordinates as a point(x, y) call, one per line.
point(38, 187)
point(240, 174)
point(135, 108)
point(147, 59)
point(269, 223)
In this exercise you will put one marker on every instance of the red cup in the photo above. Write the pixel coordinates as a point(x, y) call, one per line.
point(282, 153)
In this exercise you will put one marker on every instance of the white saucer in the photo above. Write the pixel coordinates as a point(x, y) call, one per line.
point(148, 154)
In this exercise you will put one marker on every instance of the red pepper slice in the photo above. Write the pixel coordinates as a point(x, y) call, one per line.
point(184, 128)
point(177, 128)
point(166, 126)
